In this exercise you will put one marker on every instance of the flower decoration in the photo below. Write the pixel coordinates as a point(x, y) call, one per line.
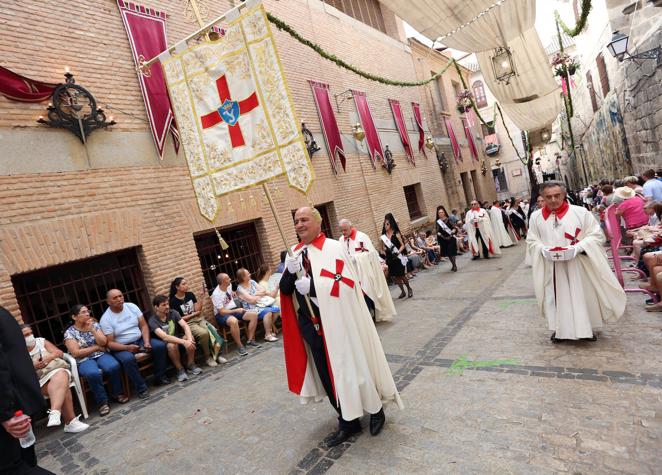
point(464, 100)
point(562, 63)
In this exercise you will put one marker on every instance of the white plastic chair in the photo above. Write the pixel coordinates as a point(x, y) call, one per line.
point(75, 383)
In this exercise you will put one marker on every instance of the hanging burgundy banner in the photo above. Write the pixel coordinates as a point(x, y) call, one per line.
point(329, 125)
point(19, 88)
point(457, 153)
point(470, 140)
point(146, 30)
point(402, 129)
point(371, 135)
point(419, 124)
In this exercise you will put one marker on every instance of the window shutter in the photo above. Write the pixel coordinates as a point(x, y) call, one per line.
point(602, 71)
point(591, 91)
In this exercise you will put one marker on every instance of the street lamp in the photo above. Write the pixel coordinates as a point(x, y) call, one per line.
point(502, 65)
point(618, 47)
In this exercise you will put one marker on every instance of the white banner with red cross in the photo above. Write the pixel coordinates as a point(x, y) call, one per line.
point(235, 113)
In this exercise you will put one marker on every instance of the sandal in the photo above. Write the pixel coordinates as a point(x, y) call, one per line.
point(104, 409)
point(122, 399)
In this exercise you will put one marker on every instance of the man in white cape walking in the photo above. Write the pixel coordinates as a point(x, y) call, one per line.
point(479, 230)
point(501, 237)
point(575, 288)
point(331, 345)
point(371, 275)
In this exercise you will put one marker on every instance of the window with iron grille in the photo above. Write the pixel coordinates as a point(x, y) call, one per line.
point(46, 295)
point(500, 181)
point(602, 72)
point(326, 219)
point(366, 11)
point(244, 250)
point(411, 197)
point(591, 91)
point(479, 94)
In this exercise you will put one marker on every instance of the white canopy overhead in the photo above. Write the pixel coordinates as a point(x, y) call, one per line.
point(437, 18)
point(536, 114)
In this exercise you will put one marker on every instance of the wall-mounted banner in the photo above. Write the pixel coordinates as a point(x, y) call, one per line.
point(371, 135)
point(470, 139)
point(419, 124)
point(402, 128)
point(234, 112)
point(457, 153)
point(330, 128)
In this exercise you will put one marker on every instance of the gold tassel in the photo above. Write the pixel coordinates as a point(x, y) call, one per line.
point(221, 241)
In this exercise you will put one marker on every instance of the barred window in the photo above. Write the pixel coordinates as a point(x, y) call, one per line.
point(411, 197)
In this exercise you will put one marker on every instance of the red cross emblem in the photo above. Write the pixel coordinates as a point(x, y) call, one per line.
point(229, 112)
point(361, 249)
point(573, 239)
point(337, 277)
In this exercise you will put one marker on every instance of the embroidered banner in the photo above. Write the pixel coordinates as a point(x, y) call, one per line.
point(146, 29)
point(470, 139)
point(402, 129)
point(19, 88)
point(419, 124)
point(371, 135)
point(330, 128)
point(457, 153)
point(235, 115)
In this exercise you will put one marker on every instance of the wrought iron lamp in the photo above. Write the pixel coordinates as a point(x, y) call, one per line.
point(483, 169)
point(309, 140)
point(442, 161)
point(429, 143)
point(503, 65)
point(388, 162)
point(497, 163)
point(618, 47)
point(357, 132)
point(75, 109)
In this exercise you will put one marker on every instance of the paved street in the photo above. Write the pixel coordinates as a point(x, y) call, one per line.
point(485, 392)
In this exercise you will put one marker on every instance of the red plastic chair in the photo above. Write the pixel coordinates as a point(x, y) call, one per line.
point(613, 227)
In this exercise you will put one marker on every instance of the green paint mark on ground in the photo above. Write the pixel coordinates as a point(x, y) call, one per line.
point(462, 363)
point(507, 303)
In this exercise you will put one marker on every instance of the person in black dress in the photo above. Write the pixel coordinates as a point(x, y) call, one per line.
point(517, 217)
point(393, 245)
point(446, 236)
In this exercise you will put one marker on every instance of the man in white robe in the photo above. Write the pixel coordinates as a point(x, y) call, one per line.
point(501, 237)
point(479, 229)
point(574, 285)
point(331, 345)
point(373, 282)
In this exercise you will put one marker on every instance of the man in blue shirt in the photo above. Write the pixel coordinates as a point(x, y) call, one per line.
point(652, 186)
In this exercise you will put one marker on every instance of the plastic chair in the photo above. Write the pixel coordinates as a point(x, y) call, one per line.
point(75, 383)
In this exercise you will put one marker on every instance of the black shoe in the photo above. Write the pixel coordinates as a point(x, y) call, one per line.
point(410, 294)
point(554, 339)
point(162, 381)
point(377, 422)
point(342, 435)
point(144, 394)
point(486, 257)
point(402, 295)
point(475, 258)
point(593, 338)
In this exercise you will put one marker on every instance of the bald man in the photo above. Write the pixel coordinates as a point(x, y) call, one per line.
point(331, 346)
point(228, 313)
point(376, 293)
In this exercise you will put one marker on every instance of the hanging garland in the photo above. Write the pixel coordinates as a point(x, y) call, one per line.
point(581, 22)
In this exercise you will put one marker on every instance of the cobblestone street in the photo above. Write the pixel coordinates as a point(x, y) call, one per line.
point(485, 392)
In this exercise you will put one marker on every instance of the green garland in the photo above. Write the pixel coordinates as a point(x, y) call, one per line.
point(281, 25)
point(581, 22)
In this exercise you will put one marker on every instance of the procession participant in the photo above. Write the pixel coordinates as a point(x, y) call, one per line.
point(394, 248)
point(446, 236)
point(331, 345)
point(517, 217)
point(575, 288)
point(479, 227)
point(371, 276)
point(501, 237)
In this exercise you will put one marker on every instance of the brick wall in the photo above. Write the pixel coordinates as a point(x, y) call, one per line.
point(53, 215)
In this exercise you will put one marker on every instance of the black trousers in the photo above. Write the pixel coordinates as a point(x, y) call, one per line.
point(479, 238)
point(318, 350)
point(16, 460)
point(371, 306)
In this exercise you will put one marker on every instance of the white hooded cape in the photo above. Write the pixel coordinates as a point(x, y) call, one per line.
point(371, 275)
point(361, 375)
point(575, 296)
point(501, 237)
point(485, 226)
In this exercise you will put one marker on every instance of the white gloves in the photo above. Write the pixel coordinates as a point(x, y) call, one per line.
point(292, 263)
point(303, 285)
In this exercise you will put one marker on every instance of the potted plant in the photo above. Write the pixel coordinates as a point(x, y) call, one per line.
point(464, 100)
point(563, 63)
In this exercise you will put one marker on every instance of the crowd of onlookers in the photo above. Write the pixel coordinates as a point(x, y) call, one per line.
point(636, 202)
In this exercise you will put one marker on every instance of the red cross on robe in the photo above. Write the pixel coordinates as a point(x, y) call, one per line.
point(337, 277)
point(245, 105)
point(573, 239)
point(361, 248)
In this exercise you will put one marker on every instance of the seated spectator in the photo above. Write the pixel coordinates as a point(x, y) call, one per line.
point(263, 277)
point(86, 342)
point(169, 327)
point(631, 209)
point(228, 313)
point(128, 334)
point(454, 217)
point(54, 380)
point(255, 299)
point(281, 266)
point(422, 243)
point(186, 304)
point(653, 261)
point(412, 249)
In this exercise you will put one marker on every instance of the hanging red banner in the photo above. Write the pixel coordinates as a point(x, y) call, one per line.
point(419, 124)
point(402, 128)
point(330, 128)
point(19, 88)
point(371, 135)
point(146, 30)
point(457, 153)
point(470, 139)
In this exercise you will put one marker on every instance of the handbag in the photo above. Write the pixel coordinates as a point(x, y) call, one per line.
point(57, 363)
point(265, 301)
